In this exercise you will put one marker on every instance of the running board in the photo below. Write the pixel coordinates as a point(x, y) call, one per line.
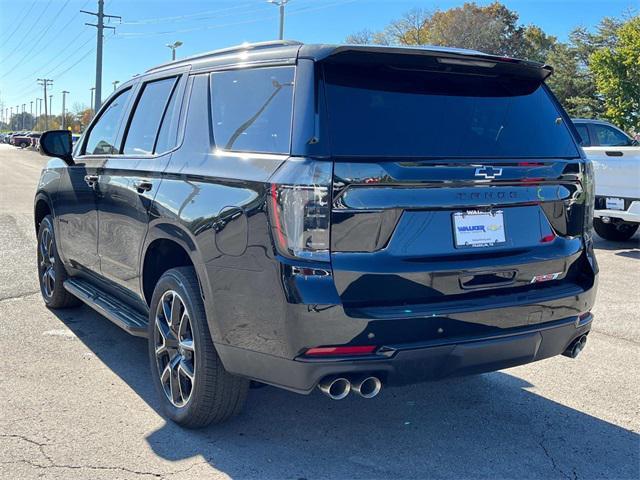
point(109, 306)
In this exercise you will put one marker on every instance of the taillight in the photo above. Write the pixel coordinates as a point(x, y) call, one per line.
point(300, 209)
point(589, 200)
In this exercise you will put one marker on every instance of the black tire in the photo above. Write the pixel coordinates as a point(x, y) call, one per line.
point(616, 232)
point(51, 271)
point(214, 395)
point(23, 145)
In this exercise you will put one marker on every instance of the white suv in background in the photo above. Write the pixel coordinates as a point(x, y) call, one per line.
point(616, 162)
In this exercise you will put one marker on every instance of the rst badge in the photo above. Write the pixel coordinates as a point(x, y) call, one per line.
point(547, 277)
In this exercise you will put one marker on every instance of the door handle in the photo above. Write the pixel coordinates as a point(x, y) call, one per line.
point(613, 153)
point(142, 186)
point(91, 180)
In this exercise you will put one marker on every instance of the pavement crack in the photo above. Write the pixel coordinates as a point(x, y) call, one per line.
point(617, 337)
point(19, 296)
point(52, 464)
point(553, 461)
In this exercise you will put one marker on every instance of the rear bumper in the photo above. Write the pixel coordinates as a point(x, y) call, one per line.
point(412, 363)
point(632, 214)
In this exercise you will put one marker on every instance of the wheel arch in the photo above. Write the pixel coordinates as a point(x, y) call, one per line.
point(168, 246)
point(42, 207)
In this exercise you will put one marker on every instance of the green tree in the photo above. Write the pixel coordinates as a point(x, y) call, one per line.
point(492, 28)
point(616, 70)
point(572, 82)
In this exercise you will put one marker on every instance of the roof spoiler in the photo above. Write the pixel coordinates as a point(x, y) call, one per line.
point(436, 58)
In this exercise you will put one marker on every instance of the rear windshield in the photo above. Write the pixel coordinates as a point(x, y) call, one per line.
point(391, 111)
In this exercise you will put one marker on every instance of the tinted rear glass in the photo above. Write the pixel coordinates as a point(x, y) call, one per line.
point(252, 108)
point(387, 111)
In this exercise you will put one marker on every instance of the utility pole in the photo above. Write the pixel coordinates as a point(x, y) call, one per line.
point(31, 113)
point(45, 82)
point(280, 4)
point(115, 84)
point(100, 39)
point(64, 98)
point(23, 113)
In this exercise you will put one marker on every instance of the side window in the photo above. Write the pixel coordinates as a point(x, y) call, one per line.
point(610, 137)
point(168, 135)
point(102, 136)
point(152, 103)
point(252, 109)
point(583, 131)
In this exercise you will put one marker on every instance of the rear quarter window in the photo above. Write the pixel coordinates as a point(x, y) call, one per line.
point(252, 108)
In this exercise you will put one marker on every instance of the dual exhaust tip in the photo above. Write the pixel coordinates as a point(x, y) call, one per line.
point(576, 347)
point(338, 388)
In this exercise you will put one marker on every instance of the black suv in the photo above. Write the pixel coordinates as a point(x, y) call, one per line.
point(344, 217)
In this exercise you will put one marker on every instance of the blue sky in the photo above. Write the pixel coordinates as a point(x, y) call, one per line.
point(48, 37)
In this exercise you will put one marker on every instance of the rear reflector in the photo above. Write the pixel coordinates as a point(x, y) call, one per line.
point(337, 351)
point(548, 238)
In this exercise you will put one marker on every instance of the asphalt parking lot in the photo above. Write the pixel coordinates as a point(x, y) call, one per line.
point(76, 400)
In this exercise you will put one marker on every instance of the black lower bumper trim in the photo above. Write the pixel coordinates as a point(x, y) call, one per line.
point(412, 363)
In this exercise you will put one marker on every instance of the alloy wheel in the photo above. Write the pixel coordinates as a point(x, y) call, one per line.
point(47, 263)
point(174, 348)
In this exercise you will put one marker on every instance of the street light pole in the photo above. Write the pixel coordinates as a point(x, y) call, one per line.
point(31, 113)
point(64, 98)
point(281, 4)
point(93, 89)
point(173, 47)
point(23, 112)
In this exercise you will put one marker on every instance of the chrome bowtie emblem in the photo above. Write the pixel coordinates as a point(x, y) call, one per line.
point(488, 172)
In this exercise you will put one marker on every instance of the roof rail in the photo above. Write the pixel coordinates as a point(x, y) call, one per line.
point(237, 48)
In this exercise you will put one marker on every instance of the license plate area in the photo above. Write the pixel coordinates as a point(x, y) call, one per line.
point(613, 203)
point(477, 229)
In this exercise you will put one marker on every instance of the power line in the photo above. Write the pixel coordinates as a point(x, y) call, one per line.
point(178, 18)
point(135, 35)
point(57, 56)
point(35, 44)
point(26, 15)
point(26, 35)
point(51, 73)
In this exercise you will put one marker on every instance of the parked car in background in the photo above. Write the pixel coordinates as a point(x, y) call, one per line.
point(22, 140)
point(35, 137)
point(341, 217)
point(616, 162)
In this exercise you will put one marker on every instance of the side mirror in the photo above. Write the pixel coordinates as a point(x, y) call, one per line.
point(57, 143)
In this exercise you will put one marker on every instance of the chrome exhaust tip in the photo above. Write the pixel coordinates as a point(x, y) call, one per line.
point(576, 347)
point(336, 388)
point(367, 387)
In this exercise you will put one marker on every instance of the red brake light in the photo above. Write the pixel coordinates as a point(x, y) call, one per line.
point(338, 351)
point(548, 238)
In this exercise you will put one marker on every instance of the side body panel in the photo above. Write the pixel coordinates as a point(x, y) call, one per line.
point(212, 204)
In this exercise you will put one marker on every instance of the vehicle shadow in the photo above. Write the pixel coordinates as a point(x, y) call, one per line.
point(481, 426)
point(630, 248)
